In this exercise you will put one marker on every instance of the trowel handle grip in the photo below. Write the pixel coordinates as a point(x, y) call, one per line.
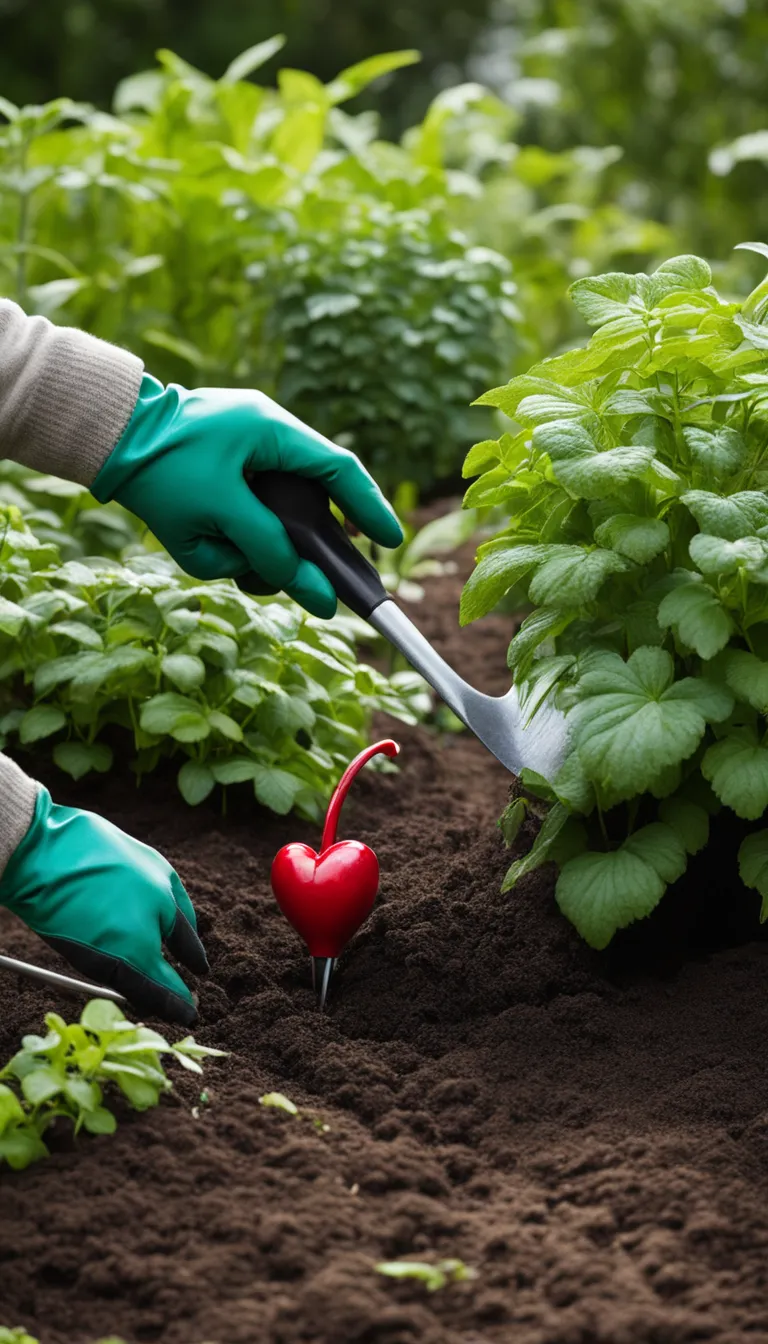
point(304, 509)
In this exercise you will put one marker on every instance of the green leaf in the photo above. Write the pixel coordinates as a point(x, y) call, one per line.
point(357, 77)
point(79, 758)
point(679, 273)
point(494, 575)
point(603, 298)
point(602, 893)
point(100, 1121)
point(101, 1015)
point(541, 625)
point(41, 1084)
point(183, 718)
point(554, 829)
point(716, 556)
point(747, 676)
point(512, 819)
point(721, 453)
point(185, 670)
point(141, 1093)
point(698, 618)
point(42, 721)
point(236, 770)
point(660, 846)
point(78, 631)
point(688, 820)
point(12, 617)
point(633, 721)
point(573, 576)
point(21, 1147)
point(737, 768)
point(639, 539)
point(252, 59)
point(582, 467)
point(276, 789)
point(753, 867)
point(195, 782)
point(226, 725)
point(733, 517)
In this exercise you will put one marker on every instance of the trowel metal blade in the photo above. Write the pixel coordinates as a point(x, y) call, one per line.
point(498, 721)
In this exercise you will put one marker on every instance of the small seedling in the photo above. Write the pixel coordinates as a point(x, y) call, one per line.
point(64, 1073)
point(434, 1277)
point(279, 1102)
point(282, 1103)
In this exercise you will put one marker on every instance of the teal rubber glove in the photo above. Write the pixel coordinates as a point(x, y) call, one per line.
point(180, 466)
point(107, 903)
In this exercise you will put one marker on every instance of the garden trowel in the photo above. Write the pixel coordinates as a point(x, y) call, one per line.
point(515, 738)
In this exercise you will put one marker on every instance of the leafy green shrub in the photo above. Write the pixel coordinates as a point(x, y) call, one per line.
point(387, 331)
point(63, 1074)
point(244, 689)
point(633, 478)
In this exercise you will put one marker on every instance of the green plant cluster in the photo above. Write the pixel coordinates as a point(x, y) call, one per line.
point(63, 1076)
point(241, 689)
point(66, 514)
point(388, 331)
point(633, 477)
point(233, 234)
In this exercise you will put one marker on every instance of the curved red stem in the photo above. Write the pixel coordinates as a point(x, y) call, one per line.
point(386, 748)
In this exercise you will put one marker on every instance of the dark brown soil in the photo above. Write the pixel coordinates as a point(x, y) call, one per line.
point(589, 1133)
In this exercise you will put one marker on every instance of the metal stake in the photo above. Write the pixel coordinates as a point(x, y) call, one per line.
point(67, 983)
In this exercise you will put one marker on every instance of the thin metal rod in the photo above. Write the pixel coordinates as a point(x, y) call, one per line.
point(65, 982)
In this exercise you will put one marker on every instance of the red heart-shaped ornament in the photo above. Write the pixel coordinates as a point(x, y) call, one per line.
point(326, 896)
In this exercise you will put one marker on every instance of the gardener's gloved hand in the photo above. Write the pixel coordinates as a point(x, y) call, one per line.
point(107, 903)
point(180, 467)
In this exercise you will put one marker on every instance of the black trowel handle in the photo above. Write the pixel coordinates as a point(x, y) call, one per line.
point(303, 507)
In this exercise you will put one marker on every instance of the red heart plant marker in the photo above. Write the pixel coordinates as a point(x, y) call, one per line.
point(327, 896)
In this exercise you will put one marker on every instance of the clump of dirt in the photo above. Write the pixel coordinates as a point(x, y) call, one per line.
point(588, 1132)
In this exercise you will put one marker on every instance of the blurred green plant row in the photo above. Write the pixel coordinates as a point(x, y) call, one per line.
point(230, 233)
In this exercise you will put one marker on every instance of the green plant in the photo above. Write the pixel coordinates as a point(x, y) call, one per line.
point(63, 1075)
point(243, 689)
point(633, 478)
point(67, 514)
point(387, 328)
point(434, 1277)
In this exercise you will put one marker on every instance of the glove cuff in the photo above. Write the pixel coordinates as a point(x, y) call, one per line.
point(18, 796)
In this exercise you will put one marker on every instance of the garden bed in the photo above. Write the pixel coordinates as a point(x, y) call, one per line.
point(587, 1131)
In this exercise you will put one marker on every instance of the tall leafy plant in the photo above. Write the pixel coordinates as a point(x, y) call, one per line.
point(633, 475)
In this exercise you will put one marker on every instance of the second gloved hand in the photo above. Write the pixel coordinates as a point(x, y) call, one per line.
point(180, 466)
point(107, 903)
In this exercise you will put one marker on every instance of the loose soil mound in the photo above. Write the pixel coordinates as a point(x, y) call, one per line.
point(590, 1133)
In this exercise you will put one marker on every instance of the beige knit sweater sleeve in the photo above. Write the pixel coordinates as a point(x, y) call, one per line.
point(65, 399)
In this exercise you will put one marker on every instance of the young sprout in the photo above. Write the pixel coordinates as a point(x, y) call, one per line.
point(279, 1102)
point(433, 1277)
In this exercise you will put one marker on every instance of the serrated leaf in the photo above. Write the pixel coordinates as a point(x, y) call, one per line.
point(602, 893)
point(733, 517)
point(737, 768)
point(573, 576)
point(494, 575)
point(639, 539)
point(698, 618)
point(721, 453)
point(633, 721)
point(753, 867)
point(603, 298)
point(582, 467)
point(716, 556)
